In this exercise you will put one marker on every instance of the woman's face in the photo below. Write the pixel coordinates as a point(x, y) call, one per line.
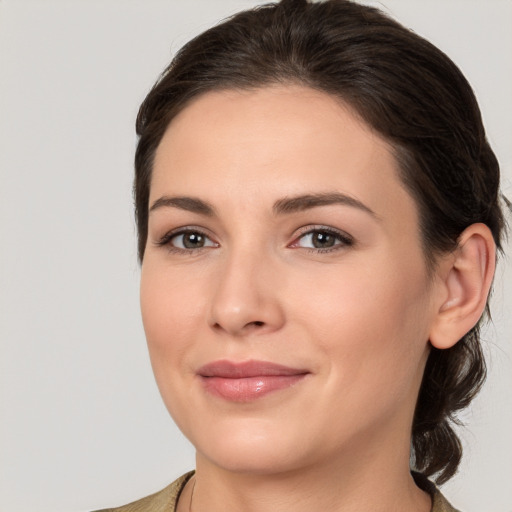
point(284, 291)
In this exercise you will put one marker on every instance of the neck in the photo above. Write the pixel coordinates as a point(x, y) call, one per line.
point(345, 484)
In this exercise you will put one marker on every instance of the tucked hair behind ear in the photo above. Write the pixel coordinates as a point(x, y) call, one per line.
point(408, 91)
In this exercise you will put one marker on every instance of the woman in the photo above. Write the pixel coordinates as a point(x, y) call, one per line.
point(318, 216)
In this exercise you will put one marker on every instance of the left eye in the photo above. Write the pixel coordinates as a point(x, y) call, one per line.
point(322, 239)
point(191, 240)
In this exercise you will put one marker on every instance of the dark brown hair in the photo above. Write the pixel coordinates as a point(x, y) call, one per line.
point(408, 91)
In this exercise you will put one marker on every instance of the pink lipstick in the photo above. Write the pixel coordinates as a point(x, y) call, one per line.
point(246, 381)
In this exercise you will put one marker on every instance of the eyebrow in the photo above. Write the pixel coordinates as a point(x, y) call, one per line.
point(190, 204)
point(281, 206)
point(305, 202)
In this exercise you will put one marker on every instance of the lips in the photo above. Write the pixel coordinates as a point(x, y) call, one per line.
point(249, 380)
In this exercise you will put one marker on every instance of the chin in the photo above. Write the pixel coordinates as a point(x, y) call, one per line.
point(251, 450)
point(252, 461)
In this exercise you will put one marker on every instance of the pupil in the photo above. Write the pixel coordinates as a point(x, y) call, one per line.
point(321, 240)
point(193, 240)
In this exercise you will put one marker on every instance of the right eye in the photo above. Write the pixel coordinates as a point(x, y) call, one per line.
point(186, 240)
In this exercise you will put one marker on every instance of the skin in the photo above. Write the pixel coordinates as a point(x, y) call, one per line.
point(356, 316)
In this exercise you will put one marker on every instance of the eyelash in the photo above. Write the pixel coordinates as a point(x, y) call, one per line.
point(344, 238)
point(166, 240)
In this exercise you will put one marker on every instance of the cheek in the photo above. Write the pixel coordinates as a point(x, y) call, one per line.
point(367, 319)
point(370, 332)
point(173, 311)
point(171, 307)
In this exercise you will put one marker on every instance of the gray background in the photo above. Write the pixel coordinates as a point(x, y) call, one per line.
point(81, 422)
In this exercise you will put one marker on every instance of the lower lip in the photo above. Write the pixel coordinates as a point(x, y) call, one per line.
point(249, 388)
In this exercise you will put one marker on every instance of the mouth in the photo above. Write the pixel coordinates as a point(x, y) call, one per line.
point(249, 380)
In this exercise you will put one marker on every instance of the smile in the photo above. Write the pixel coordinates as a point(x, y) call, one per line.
point(247, 381)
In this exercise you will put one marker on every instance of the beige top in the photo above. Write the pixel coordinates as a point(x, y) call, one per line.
point(167, 499)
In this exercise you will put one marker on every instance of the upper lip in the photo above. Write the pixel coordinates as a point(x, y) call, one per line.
point(246, 369)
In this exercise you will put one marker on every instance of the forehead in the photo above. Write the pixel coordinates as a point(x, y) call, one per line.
point(262, 144)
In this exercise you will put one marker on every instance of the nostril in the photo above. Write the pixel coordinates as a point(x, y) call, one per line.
point(257, 323)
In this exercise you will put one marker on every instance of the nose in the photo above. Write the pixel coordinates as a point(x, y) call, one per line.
point(246, 298)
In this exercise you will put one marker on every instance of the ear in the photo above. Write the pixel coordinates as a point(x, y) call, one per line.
point(465, 281)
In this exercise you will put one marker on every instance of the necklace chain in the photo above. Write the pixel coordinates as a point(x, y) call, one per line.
point(192, 493)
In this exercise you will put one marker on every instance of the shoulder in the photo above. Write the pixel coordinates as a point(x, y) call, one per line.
point(162, 501)
point(439, 502)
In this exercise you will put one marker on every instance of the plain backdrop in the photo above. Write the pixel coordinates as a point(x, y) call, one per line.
point(82, 425)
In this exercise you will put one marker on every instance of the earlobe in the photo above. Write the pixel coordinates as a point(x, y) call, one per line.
point(466, 281)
